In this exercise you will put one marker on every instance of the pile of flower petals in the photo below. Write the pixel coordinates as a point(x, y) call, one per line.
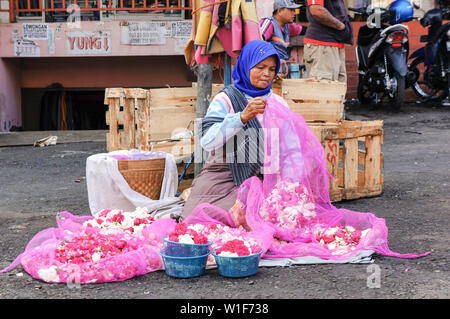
point(238, 247)
point(187, 235)
point(90, 247)
point(219, 234)
point(131, 222)
point(98, 249)
point(288, 205)
point(340, 239)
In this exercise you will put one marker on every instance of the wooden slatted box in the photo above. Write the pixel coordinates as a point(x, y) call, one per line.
point(128, 118)
point(137, 117)
point(353, 157)
point(315, 100)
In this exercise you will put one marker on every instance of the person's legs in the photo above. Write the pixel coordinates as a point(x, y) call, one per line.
point(342, 76)
point(325, 62)
point(311, 59)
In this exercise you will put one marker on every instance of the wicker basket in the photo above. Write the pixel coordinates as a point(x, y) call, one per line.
point(144, 176)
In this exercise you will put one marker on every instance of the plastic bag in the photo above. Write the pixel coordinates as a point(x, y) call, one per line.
point(290, 210)
point(74, 252)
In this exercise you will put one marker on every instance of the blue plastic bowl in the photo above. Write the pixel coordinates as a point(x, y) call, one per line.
point(184, 267)
point(176, 249)
point(241, 266)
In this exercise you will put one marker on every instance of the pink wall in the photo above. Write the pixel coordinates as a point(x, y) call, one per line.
point(53, 61)
point(62, 37)
point(96, 72)
point(10, 107)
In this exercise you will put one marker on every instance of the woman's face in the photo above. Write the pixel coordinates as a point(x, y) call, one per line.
point(262, 74)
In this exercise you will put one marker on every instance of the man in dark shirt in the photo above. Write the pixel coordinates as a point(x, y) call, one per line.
point(328, 31)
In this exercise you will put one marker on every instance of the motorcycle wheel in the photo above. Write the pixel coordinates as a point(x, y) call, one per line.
point(365, 96)
point(399, 96)
point(422, 87)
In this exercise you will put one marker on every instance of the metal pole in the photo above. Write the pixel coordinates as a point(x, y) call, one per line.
point(12, 16)
point(226, 69)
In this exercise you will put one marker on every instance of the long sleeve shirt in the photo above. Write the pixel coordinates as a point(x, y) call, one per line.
point(219, 133)
point(267, 29)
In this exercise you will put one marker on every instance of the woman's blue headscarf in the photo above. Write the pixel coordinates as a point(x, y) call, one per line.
point(252, 53)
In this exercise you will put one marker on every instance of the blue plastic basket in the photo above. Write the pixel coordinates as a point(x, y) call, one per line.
point(241, 266)
point(184, 267)
point(176, 249)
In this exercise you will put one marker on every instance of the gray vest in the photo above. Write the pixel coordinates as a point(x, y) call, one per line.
point(280, 39)
point(320, 32)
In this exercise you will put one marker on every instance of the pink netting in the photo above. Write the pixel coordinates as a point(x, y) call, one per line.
point(290, 211)
point(289, 214)
point(75, 253)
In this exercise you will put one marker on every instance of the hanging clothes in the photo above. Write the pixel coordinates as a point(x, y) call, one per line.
point(221, 26)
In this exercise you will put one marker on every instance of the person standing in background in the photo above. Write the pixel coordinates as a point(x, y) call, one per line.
point(328, 31)
point(278, 29)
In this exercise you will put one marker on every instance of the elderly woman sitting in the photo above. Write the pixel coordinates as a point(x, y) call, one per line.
point(232, 129)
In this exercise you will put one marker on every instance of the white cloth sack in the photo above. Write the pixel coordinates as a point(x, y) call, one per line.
point(361, 257)
point(108, 189)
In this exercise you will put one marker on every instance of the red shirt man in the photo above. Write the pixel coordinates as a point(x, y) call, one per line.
point(329, 30)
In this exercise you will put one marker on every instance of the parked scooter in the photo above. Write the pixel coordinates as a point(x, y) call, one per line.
point(431, 65)
point(382, 53)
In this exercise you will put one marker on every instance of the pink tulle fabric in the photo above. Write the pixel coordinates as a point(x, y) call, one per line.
point(293, 154)
point(138, 255)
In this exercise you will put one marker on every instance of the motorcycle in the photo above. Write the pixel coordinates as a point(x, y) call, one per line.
point(433, 83)
point(382, 54)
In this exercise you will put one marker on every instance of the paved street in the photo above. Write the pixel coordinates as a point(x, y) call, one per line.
point(36, 183)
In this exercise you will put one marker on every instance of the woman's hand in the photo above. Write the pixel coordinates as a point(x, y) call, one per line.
point(254, 107)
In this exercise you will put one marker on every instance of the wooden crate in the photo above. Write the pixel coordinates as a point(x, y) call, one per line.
point(171, 109)
point(321, 100)
point(315, 100)
point(128, 118)
point(353, 157)
point(138, 117)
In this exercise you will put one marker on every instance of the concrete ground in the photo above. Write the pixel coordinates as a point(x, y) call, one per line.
point(36, 183)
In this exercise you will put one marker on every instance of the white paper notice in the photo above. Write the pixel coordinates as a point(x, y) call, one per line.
point(182, 29)
point(180, 44)
point(35, 31)
point(26, 48)
point(144, 33)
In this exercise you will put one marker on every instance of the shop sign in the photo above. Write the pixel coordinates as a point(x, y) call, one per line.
point(88, 42)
